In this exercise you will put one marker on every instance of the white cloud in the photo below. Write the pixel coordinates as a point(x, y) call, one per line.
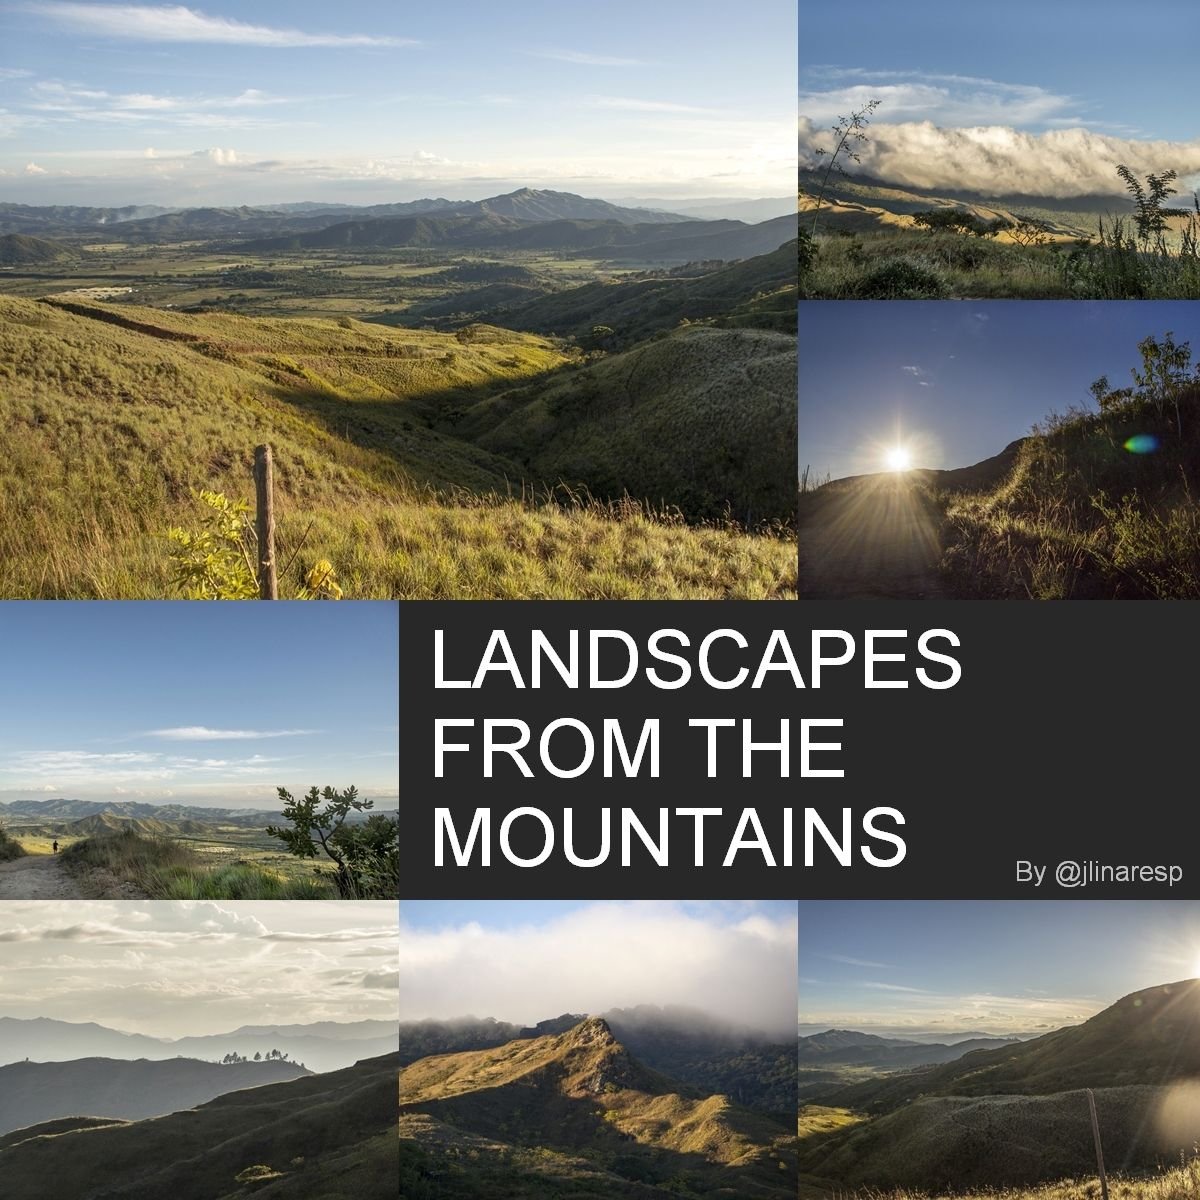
point(1000, 160)
point(14, 73)
point(943, 99)
point(584, 59)
point(31, 168)
point(606, 955)
point(631, 104)
point(202, 733)
point(176, 23)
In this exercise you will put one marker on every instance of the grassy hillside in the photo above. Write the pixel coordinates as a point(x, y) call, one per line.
point(1147, 1037)
point(1179, 1183)
point(10, 848)
point(869, 245)
point(704, 419)
point(957, 1144)
point(20, 250)
point(329, 1136)
point(156, 867)
point(113, 416)
point(580, 1094)
point(1080, 515)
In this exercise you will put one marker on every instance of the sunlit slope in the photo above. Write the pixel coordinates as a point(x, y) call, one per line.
point(111, 417)
point(760, 291)
point(704, 419)
point(1147, 1037)
point(581, 1092)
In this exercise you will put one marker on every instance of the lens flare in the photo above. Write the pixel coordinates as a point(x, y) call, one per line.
point(897, 458)
point(1141, 443)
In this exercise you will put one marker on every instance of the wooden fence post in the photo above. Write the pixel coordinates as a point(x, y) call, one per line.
point(264, 523)
point(1099, 1148)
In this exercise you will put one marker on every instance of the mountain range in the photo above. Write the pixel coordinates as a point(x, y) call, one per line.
point(577, 1110)
point(751, 1067)
point(151, 222)
point(33, 1092)
point(330, 1136)
point(846, 1047)
point(682, 241)
point(323, 1046)
point(94, 816)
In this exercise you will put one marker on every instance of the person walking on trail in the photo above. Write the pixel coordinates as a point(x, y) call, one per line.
point(55, 847)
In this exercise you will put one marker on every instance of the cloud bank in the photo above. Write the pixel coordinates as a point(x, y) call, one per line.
point(603, 956)
point(999, 160)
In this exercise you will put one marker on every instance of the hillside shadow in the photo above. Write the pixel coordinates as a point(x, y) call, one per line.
point(536, 1115)
point(874, 536)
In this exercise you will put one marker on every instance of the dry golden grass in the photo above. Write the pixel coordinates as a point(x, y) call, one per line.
point(1182, 1183)
point(109, 430)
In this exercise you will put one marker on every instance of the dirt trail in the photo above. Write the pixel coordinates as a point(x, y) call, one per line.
point(875, 537)
point(37, 877)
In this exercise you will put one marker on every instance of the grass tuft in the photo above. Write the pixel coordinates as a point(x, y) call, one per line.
point(167, 870)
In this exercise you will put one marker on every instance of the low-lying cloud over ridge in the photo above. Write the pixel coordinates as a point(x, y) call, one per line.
point(606, 955)
point(999, 160)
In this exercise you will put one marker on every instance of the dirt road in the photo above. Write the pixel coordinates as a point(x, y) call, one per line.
point(876, 537)
point(36, 877)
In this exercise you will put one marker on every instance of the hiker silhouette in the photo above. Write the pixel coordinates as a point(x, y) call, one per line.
point(55, 847)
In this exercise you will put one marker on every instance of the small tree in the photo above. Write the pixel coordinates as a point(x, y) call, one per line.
point(1100, 389)
point(850, 133)
point(366, 856)
point(1148, 201)
point(1028, 231)
point(1164, 374)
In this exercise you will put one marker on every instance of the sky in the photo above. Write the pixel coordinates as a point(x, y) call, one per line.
point(956, 381)
point(198, 967)
point(527, 961)
point(1038, 98)
point(372, 101)
point(1009, 968)
point(208, 704)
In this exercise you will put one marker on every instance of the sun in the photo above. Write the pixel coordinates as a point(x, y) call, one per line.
point(897, 458)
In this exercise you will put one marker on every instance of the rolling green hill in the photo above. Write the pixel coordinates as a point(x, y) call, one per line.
point(20, 250)
point(329, 1136)
point(703, 419)
point(574, 1096)
point(958, 1144)
point(114, 415)
point(634, 310)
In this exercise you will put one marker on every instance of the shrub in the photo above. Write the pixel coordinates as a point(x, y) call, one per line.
point(901, 279)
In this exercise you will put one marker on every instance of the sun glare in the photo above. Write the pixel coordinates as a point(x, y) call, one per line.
point(897, 458)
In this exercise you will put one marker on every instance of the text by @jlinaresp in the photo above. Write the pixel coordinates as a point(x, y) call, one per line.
point(1081, 873)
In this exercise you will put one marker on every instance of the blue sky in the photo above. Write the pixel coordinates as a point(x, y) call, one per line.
point(1009, 968)
point(525, 961)
point(1047, 73)
point(377, 101)
point(956, 381)
point(211, 704)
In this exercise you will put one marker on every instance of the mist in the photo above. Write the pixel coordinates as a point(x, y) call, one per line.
point(998, 160)
point(738, 967)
